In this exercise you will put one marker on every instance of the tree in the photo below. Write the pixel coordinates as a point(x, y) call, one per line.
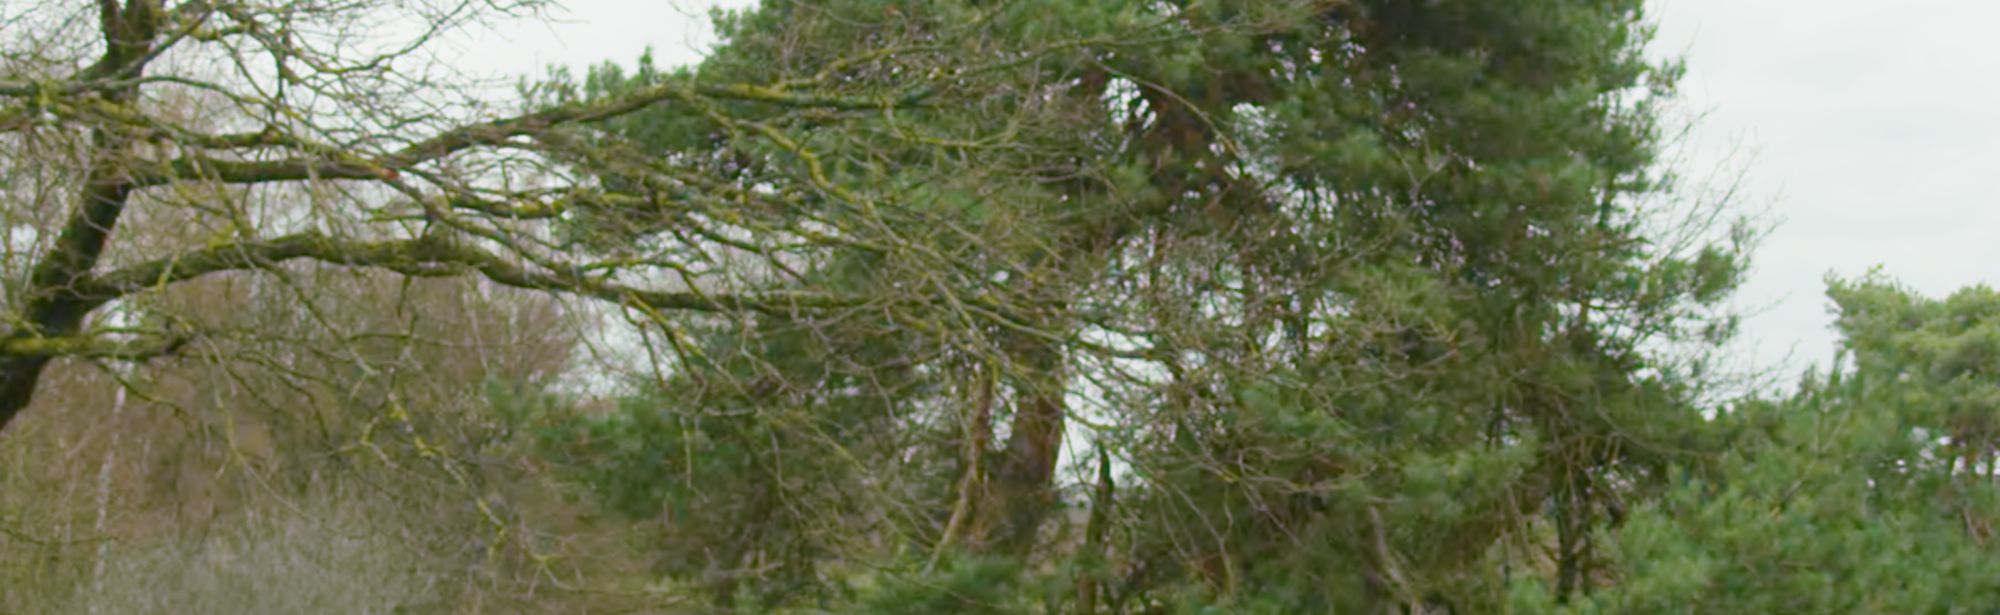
point(1440, 299)
point(1365, 290)
point(1864, 492)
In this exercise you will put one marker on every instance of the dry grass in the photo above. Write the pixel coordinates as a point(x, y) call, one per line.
point(290, 565)
point(368, 540)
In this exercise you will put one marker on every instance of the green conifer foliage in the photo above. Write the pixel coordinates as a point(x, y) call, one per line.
point(1868, 491)
point(1367, 298)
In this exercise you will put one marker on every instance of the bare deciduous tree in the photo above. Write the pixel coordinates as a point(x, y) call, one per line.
point(314, 141)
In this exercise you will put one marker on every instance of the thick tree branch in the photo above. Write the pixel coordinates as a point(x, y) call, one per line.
point(425, 257)
point(336, 163)
point(235, 172)
point(94, 347)
point(499, 131)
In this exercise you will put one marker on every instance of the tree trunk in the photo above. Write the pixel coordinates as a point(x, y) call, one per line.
point(52, 308)
point(1023, 484)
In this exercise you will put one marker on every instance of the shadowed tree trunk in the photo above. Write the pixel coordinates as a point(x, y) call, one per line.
point(1024, 478)
point(54, 308)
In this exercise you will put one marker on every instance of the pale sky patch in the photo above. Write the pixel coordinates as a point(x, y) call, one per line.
point(1872, 125)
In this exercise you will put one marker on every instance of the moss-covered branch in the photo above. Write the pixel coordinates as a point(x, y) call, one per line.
point(94, 346)
point(422, 257)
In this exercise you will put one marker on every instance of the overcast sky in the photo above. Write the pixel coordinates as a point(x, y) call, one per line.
point(1865, 128)
point(1873, 124)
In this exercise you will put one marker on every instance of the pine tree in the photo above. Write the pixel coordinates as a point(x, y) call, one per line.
point(1867, 491)
point(1368, 296)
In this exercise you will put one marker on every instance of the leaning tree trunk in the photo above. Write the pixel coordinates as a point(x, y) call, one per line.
point(55, 306)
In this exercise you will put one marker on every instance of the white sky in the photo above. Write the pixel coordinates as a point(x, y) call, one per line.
point(591, 32)
point(1866, 128)
point(1871, 124)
